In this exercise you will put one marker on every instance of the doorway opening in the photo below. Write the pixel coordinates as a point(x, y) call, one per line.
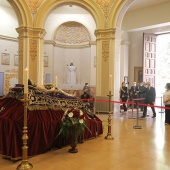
point(162, 63)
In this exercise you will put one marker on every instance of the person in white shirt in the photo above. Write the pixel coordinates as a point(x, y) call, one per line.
point(166, 101)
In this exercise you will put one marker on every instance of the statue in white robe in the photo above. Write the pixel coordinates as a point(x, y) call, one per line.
point(71, 77)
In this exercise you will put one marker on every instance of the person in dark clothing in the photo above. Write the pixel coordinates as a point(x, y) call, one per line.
point(134, 92)
point(86, 88)
point(141, 94)
point(85, 96)
point(150, 95)
point(124, 95)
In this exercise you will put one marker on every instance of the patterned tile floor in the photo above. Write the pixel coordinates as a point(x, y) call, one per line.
point(131, 149)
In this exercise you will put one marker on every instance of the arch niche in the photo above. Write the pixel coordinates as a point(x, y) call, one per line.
point(44, 12)
point(71, 43)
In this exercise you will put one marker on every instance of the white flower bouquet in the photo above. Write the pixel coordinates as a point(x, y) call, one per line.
point(73, 122)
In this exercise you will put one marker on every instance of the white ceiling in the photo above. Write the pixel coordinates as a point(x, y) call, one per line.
point(137, 4)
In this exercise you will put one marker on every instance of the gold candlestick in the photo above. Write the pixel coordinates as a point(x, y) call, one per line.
point(25, 165)
point(109, 134)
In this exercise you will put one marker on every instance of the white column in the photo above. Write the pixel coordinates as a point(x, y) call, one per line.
point(124, 60)
point(40, 63)
point(117, 46)
point(98, 67)
point(93, 65)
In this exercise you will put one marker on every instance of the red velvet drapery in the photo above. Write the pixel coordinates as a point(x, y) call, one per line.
point(43, 127)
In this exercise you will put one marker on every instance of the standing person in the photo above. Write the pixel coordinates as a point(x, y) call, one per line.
point(133, 92)
point(124, 95)
point(86, 88)
point(141, 93)
point(150, 95)
point(166, 101)
point(71, 79)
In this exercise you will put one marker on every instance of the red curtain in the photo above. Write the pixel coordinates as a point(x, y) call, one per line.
point(43, 127)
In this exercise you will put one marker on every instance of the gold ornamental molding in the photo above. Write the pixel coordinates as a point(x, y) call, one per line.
point(72, 33)
point(52, 42)
point(34, 4)
point(12, 71)
point(105, 50)
point(20, 48)
point(8, 77)
point(33, 35)
point(33, 48)
point(30, 32)
point(105, 5)
point(105, 34)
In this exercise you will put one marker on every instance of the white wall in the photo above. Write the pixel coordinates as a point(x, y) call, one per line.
point(10, 71)
point(85, 65)
point(59, 64)
point(11, 48)
point(150, 16)
point(8, 22)
point(49, 52)
point(59, 58)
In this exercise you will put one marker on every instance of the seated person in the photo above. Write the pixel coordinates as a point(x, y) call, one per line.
point(85, 96)
point(86, 88)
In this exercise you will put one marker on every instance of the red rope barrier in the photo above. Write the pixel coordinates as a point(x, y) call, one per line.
point(133, 103)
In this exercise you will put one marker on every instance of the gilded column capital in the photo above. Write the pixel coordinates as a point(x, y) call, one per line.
point(31, 32)
point(103, 34)
point(32, 35)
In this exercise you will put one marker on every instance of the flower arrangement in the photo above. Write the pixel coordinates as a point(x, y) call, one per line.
point(73, 121)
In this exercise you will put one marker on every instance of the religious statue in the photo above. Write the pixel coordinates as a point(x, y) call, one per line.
point(71, 79)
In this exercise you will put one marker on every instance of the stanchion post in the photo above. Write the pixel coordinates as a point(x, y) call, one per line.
point(109, 134)
point(161, 106)
point(137, 118)
point(25, 165)
point(132, 110)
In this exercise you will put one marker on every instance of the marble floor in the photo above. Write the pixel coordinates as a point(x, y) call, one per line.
point(131, 149)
